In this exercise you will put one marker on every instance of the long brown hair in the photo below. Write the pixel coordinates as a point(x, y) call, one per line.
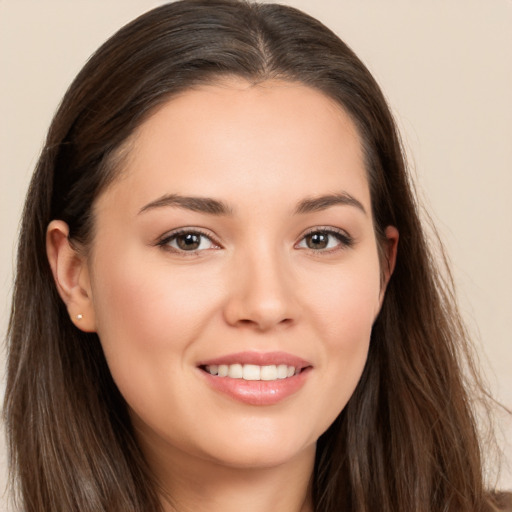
point(406, 441)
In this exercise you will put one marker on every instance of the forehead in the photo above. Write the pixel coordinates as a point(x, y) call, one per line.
point(267, 140)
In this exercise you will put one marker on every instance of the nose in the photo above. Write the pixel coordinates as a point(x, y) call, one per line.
point(261, 293)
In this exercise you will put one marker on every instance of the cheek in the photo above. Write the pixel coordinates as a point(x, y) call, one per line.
point(148, 318)
point(345, 299)
point(146, 312)
point(343, 307)
point(346, 322)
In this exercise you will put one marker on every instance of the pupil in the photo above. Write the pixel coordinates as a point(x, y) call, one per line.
point(189, 241)
point(318, 241)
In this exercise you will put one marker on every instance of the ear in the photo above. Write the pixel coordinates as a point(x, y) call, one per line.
point(389, 249)
point(71, 276)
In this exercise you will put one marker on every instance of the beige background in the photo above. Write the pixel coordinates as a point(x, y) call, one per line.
point(446, 68)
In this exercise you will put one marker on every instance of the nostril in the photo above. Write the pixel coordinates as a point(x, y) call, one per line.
point(264, 323)
point(260, 305)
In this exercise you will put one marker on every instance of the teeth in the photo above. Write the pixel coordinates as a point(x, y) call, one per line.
point(252, 371)
point(282, 371)
point(268, 372)
point(235, 371)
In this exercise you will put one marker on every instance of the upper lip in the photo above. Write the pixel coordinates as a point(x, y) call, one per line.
point(259, 359)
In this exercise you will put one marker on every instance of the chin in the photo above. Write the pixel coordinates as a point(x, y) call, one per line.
point(260, 459)
point(259, 452)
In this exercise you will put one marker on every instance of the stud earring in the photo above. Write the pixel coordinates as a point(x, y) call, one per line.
point(79, 316)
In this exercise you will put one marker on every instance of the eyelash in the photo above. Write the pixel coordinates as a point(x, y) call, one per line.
point(345, 240)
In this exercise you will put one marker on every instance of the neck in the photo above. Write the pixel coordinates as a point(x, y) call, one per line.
point(235, 490)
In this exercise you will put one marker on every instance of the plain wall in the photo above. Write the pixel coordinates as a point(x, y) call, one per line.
point(446, 69)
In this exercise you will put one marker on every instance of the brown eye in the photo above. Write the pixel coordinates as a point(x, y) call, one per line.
point(317, 240)
point(325, 240)
point(188, 241)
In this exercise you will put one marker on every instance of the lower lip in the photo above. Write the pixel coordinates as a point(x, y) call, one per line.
point(258, 392)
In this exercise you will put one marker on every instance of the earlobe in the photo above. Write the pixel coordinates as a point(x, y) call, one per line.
point(71, 276)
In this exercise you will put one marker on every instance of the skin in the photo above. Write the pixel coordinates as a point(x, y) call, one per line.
point(255, 283)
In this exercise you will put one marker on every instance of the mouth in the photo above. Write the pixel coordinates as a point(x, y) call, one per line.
point(252, 372)
point(255, 378)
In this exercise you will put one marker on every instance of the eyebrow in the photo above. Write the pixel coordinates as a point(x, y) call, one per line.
point(320, 203)
point(195, 204)
point(215, 207)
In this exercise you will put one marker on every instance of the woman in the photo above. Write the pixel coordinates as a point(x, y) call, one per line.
point(224, 296)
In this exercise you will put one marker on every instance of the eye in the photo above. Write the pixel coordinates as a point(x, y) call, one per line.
point(188, 241)
point(325, 240)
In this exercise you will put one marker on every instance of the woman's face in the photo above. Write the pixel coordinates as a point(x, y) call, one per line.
point(238, 239)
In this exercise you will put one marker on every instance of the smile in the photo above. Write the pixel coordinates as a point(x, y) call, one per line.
point(252, 371)
point(255, 378)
